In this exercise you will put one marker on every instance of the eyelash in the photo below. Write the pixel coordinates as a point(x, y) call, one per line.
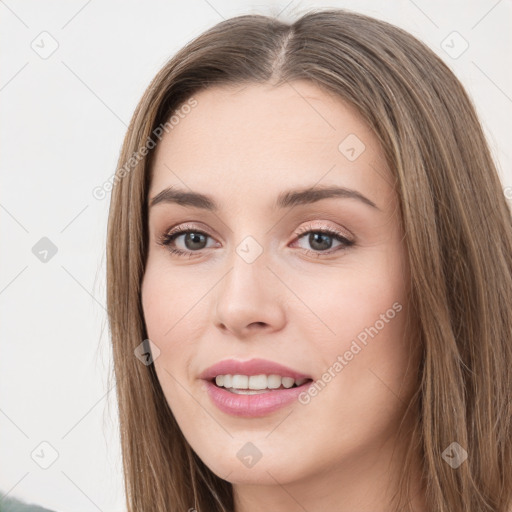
point(167, 238)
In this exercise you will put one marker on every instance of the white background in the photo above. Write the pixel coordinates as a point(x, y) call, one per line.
point(63, 121)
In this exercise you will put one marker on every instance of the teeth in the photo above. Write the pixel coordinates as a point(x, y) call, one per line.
point(273, 381)
point(240, 382)
point(256, 382)
point(287, 382)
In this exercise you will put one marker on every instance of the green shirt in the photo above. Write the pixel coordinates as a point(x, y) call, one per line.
point(13, 505)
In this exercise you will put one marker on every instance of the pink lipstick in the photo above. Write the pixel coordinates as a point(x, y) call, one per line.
point(253, 388)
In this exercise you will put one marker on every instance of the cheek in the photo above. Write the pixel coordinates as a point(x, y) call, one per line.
point(162, 309)
point(154, 298)
point(171, 313)
point(347, 301)
point(169, 305)
point(360, 342)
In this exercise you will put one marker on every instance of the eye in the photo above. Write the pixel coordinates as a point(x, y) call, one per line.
point(195, 240)
point(321, 240)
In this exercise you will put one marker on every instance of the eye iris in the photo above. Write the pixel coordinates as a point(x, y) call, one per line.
point(320, 238)
point(195, 238)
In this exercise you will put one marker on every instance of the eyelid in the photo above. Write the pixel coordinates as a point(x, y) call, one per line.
point(317, 226)
point(172, 233)
point(310, 226)
point(175, 232)
point(345, 241)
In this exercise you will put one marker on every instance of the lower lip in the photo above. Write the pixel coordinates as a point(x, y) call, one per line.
point(251, 406)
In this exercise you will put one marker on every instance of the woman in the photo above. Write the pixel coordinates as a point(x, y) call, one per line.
point(309, 278)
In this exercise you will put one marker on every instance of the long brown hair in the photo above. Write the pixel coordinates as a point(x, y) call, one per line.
point(458, 233)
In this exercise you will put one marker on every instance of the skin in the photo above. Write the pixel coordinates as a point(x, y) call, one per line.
point(243, 146)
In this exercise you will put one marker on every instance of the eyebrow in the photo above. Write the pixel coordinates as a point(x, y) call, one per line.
point(285, 199)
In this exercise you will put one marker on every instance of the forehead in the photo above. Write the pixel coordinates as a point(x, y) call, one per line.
point(254, 138)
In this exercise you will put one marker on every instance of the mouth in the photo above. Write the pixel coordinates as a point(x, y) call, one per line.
point(257, 384)
point(253, 388)
point(232, 394)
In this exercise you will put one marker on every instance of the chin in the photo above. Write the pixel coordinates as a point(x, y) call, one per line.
point(263, 472)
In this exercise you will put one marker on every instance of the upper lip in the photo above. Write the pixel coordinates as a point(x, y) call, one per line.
point(251, 367)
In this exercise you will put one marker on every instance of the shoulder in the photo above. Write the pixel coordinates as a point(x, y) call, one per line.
point(13, 505)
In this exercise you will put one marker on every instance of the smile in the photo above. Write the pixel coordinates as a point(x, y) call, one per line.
point(252, 388)
point(252, 403)
point(254, 384)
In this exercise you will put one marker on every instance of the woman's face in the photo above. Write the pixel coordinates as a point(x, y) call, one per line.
point(259, 280)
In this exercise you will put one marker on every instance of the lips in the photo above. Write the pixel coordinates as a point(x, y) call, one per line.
point(247, 404)
point(251, 367)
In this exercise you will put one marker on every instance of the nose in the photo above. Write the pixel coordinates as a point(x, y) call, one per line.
point(250, 299)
